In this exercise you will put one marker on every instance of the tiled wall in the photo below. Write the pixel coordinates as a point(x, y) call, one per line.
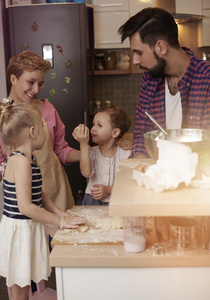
point(121, 90)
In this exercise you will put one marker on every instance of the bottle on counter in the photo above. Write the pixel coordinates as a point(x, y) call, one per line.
point(107, 104)
point(97, 107)
point(99, 61)
point(109, 60)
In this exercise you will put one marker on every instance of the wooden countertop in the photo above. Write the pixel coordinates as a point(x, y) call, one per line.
point(115, 256)
point(129, 199)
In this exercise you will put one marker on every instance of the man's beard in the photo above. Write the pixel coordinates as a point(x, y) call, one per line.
point(158, 70)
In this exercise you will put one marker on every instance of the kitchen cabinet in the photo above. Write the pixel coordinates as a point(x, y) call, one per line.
point(204, 26)
point(204, 29)
point(106, 25)
point(108, 17)
point(206, 4)
point(136, 5)
point(110, 5)
point(95, 272)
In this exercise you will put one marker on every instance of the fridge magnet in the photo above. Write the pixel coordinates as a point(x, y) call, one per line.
point(64, 91)
point(34, 27)
point(24, 47)
point(52, 92)
point(53, 76)
point(67, 80)
point(60, 49)
point(68, 64)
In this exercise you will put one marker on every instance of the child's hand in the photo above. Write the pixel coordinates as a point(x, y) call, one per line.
point(100, 191)
point(72, 221)
point(81, 134)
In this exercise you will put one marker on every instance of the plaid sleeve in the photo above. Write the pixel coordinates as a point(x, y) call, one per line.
point(143, 124)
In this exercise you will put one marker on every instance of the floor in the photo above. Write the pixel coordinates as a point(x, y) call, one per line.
point(3, 289)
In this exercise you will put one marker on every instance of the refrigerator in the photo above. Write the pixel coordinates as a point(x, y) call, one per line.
point(63, 34)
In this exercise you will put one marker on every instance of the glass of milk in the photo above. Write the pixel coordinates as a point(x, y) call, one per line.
point(134, 229)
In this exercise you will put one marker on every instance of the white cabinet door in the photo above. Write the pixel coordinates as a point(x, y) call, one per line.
point(110, 5)
point(204, 30)
point(136, 6)
point(189, 7)
point(206, 4)
point(106, 25)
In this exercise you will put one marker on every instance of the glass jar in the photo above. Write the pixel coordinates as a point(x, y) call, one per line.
point(99, 61)
point(107, 104)
point(97, 107)
point(109, 60)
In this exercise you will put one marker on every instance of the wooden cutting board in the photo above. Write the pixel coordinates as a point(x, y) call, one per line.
point(100, 231)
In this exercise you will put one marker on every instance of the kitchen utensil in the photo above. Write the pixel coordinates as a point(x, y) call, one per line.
point(155, 122)
point(197, 139)
point(206, 232)
point(159, 248)
point(183, 233)
point(134, 229)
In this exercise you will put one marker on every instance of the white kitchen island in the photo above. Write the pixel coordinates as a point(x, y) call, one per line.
point(107, 272)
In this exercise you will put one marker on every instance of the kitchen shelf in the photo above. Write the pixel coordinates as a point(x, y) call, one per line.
point(130, 199)
point(112, 72)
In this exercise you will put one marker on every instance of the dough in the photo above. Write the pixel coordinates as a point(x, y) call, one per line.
point(141, 168)
point(81, 228)
point(98, 218)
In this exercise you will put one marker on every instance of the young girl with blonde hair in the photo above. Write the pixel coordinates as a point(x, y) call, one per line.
point(24, 248)
point(26, 72)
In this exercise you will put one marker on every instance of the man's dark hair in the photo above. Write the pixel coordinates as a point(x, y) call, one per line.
point(152, 24)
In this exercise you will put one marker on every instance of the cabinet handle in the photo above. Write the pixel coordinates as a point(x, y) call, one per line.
point(110, 42)
point(111, 5)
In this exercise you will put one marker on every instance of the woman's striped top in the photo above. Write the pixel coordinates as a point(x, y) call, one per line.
point(10, 200)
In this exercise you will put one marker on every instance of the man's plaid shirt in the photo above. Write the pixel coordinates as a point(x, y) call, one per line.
point(194, 88)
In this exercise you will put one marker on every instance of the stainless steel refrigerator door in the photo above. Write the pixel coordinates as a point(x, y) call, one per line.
point(65, 27)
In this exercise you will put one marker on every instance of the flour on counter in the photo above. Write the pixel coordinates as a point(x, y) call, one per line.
point(98, 218)
point(101, 228)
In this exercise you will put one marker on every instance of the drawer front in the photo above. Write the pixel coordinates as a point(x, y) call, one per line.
point(110, 5)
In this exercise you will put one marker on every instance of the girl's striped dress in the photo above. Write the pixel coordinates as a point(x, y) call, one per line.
point(24, 254)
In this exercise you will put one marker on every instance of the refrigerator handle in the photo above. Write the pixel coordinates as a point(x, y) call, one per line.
point(85, 117)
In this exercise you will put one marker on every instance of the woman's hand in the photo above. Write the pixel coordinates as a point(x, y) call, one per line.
point(100, 191)
point(72, 221)
point(81, 134)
